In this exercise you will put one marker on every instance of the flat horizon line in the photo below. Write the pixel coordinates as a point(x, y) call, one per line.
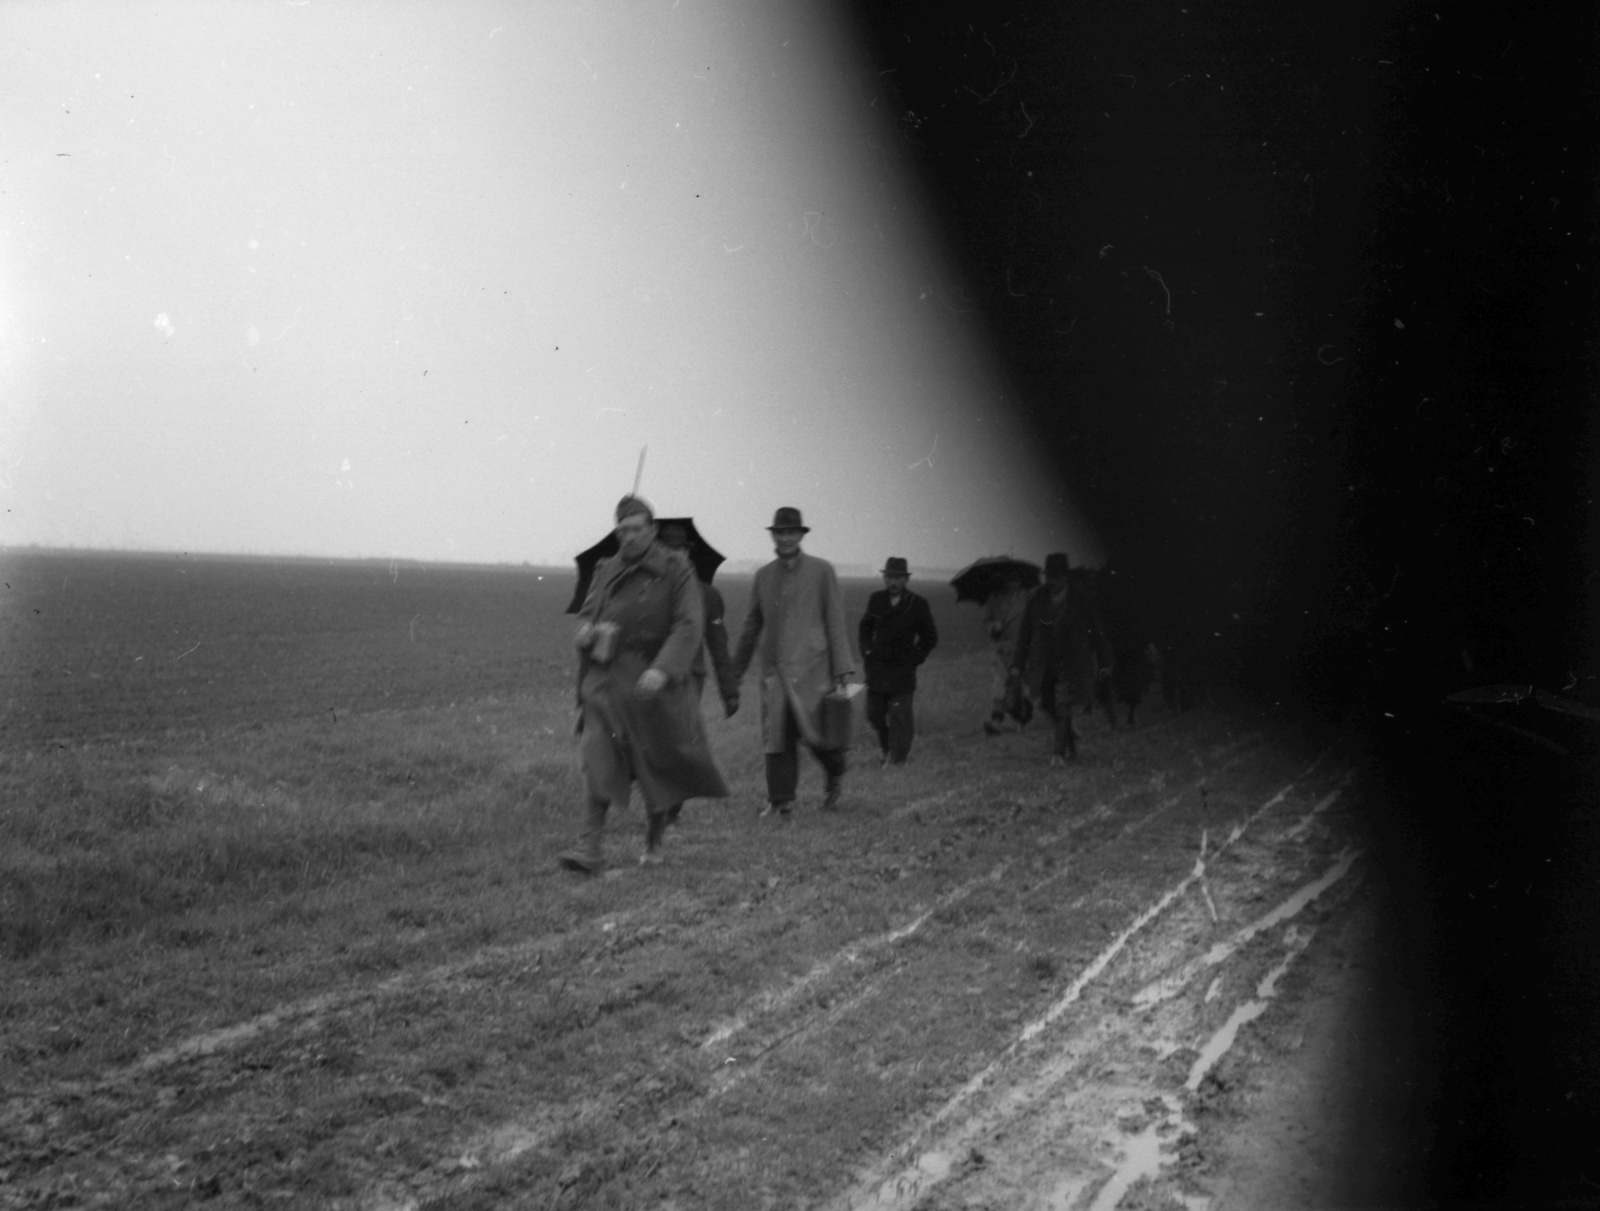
point(732, 567)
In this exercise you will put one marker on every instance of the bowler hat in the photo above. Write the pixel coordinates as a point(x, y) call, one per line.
point(1055, 564)
point(788, 518)
point(895, 566)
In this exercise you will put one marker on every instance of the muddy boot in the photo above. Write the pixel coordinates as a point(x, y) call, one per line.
point(1066, 741)
point(655, 830)
point(585, 856)
point(831, 797)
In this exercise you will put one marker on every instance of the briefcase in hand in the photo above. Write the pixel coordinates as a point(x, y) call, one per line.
point(838, 720)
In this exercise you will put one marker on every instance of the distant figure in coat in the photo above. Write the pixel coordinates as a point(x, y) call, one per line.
point(1002, 618)
point(896, 635)
point(796, 619)
point(1134, 671)
point(638, 633)
point(675, 538)
point(1061, 651)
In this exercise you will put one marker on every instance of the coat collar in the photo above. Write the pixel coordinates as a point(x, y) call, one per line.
point(653, 563)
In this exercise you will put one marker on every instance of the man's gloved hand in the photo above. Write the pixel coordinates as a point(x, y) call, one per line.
point(651, 682)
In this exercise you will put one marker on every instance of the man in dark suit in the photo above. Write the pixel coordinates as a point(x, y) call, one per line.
point(896, 635)
point(1061, 652)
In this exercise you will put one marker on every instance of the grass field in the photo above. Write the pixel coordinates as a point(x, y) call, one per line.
point(281, 923)
point(183, 731)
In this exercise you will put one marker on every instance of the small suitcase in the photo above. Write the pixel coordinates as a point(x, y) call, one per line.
point(837, 723)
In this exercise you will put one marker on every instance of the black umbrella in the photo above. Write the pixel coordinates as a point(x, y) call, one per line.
point(979, 579)
point(705, 557)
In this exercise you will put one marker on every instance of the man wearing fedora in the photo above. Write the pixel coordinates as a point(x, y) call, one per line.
point(796, 620)
point(896, 635)
point(1061, 649)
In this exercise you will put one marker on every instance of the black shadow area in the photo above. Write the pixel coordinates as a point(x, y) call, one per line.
point(1300, 300)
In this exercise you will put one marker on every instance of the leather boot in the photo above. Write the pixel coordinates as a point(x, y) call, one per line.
point(585, 857)
point(655, 829)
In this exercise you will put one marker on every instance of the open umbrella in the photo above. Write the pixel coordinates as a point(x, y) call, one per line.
point(979, 579)
point(705, 557)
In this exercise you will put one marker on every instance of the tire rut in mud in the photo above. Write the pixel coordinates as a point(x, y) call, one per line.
point(831, 995)
point(974, 873)
point(1111, 1098)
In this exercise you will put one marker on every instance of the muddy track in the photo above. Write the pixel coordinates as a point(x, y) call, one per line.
point(1011, 992)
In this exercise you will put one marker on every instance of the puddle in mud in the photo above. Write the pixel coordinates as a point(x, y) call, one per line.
point(1217, 1045)
point(1066, 1194)
point(936, 1165)
point(1142, 1155)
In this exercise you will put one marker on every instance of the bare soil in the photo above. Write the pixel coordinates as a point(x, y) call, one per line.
point(1141, 981)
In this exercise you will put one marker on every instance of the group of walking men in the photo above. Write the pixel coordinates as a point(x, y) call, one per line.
point(648, 622)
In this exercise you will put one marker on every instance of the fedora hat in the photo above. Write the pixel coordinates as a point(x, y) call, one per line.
point(788, 518)
point(895, 566)
point(1055, 564)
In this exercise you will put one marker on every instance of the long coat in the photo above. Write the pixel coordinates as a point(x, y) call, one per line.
point(796, 619)
point(1060, 644)
point(1002, 618)
point(895, 638)
point(716, 645)
point(658, 742)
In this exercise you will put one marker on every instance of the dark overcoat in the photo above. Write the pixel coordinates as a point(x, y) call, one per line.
point(895, 638)
point(658, 742)
point(1060, 643)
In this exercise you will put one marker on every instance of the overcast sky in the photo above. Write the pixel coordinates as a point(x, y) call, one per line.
point(421, 280)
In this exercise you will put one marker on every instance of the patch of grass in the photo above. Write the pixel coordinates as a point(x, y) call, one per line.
point(1043, 967)
point(102, 845)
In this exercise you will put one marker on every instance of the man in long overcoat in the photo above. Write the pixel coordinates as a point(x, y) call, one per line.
point(1061, 650)
point(896, 635)
point(1002, 619)
point(638, 632)
point(796, 618)
point(676, 538)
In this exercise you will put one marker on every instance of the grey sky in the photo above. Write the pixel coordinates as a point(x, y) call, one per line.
point(421, 279)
